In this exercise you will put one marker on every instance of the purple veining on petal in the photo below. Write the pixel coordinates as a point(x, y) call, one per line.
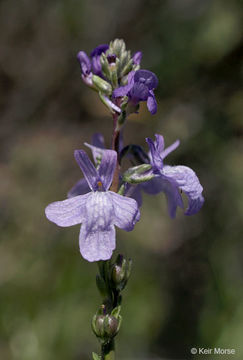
point(88, 169)
point(67, 212)
point(185, 179)
point(126, 212)
point(156, 160)
point(97, 235)
point(107, 167)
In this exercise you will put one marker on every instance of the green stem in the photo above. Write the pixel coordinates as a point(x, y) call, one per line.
point(108, 351)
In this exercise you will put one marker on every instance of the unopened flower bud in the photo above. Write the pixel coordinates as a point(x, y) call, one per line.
point(98, 325)
point(120, 273)
point(119, 270)
point(102, 85)
point(84, 62)
point(138, 174)
point(111, 326)
point(127, 68)
point(106, 326)
point(137, 57)
point(118, 46)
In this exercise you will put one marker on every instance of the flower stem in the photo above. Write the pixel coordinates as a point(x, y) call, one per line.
point(108, 350)
point(115, 146)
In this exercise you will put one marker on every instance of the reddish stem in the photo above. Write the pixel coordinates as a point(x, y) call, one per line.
point(115, 146)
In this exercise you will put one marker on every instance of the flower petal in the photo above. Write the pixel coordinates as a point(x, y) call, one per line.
point(139, 92)
point(95, 55)
point(134, 191)
point(98, 140)
point(96, 152)
point(152, 103)
point(97, 245)
point(169, 149)
point(88, 169)
point(185, 179)
point(153, 186)
point(96, 65)
point(80, 188)
point(99, 50)
point(97, 235)
point(126, 212)
point(137, 57)
point(155, 151)
point(124, 90)
point(68, 212)
point(173, 196)
point(147, 77)
point(84, 62)
point(107, 168)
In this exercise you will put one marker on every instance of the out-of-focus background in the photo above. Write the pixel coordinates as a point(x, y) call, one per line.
point(186, 287)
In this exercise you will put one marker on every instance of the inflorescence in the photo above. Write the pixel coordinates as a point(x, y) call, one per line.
point(105, 196)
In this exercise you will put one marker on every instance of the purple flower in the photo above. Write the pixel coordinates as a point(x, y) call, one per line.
point(170, 180)
point(140, 87)
point(95, 56)
point(91, 66)
point(98, 211)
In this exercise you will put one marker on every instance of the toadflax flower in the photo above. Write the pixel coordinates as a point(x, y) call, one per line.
point(170, 180)
point(91, 66)
point(99, 210)
point(140, 87)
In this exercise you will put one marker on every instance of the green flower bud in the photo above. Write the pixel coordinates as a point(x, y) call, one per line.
point(127, 68)
point(106, 326)
point(105, 65)
point(98, 325)
point(138, 174)
point(120, 273)
point(117, 47)
point(111, 326)
point(102, 85)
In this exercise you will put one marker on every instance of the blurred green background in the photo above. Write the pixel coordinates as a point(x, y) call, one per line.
point(186, 286)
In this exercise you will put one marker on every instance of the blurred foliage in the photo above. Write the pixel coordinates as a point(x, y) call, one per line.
point(186, 287)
